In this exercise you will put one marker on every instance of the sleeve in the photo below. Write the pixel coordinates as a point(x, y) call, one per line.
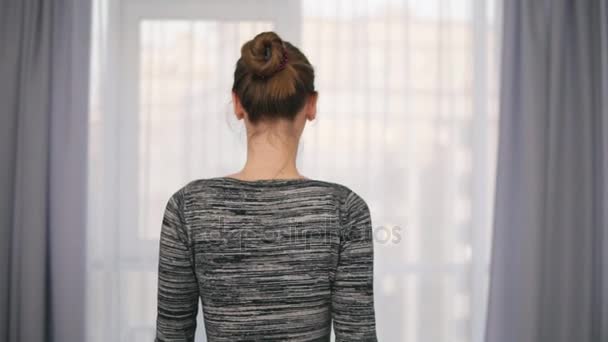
point(177, 284)
point(353, 312)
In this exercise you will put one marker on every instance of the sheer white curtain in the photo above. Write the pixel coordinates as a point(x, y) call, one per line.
point(407, 117)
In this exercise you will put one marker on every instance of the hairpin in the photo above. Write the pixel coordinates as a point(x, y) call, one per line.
point(283, 61)
point(282, 64)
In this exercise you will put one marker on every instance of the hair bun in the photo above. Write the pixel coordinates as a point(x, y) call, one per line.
point(265, 54)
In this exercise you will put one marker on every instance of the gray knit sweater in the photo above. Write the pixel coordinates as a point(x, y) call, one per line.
point(270, 260)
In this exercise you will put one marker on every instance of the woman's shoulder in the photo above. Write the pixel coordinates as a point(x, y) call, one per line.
point(341, 190)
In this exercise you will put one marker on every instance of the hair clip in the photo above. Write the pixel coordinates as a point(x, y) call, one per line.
point(283, 61)
point(282, 65)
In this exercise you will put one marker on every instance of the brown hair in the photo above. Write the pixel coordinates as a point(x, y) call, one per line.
point(272, 78)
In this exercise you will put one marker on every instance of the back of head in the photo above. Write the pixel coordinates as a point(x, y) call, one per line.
point(272, 79)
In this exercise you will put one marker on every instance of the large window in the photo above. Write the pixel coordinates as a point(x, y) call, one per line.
point(407, 118)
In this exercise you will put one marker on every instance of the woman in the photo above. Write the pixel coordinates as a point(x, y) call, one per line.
point(273, 255)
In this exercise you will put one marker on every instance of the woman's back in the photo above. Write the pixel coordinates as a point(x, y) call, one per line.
point(271, 260)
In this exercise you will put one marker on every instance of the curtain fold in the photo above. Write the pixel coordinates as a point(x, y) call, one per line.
point(548, 276)
point(44, 64)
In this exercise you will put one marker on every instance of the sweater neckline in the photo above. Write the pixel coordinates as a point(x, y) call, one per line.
point(266, 181)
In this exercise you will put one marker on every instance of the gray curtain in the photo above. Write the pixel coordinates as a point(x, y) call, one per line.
point(549, 279)
point(44, 57)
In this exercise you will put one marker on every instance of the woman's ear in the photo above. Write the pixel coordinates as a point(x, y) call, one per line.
point(311, 112)
point(238, 108)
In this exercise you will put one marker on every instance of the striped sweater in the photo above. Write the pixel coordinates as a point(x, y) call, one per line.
point(270, 260)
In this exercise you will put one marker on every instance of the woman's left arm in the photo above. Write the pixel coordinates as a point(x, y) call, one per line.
point(177, 284)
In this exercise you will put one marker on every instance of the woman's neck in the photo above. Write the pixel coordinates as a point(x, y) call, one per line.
point(270, 156)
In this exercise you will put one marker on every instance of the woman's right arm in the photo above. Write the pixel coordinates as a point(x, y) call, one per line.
point(353, 311)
